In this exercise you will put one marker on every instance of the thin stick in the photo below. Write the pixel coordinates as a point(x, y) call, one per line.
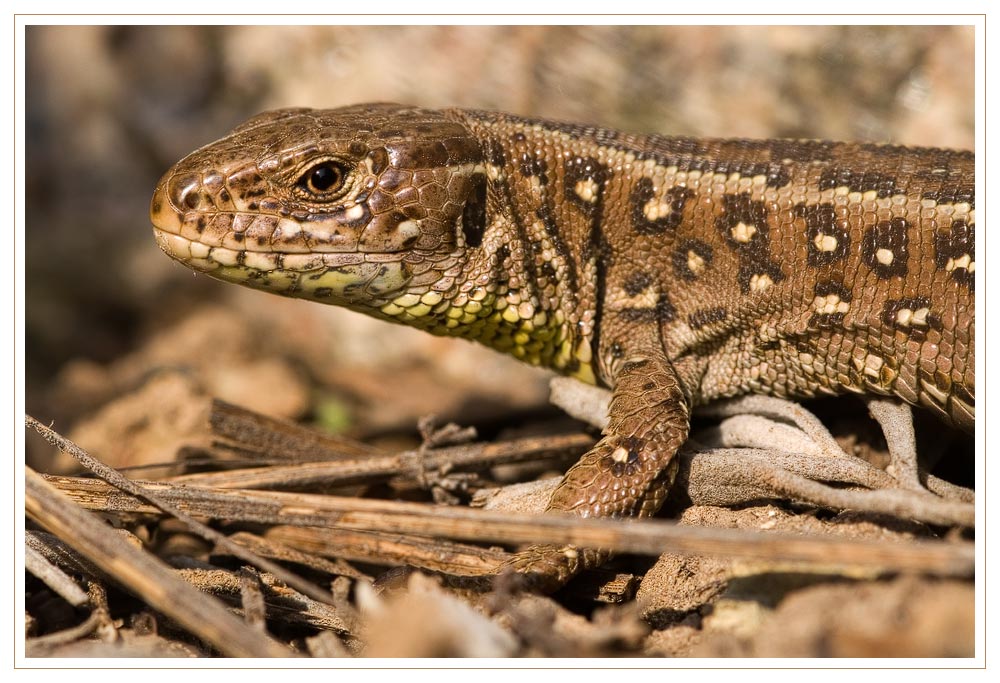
point(64, 637)
point(392, 549)
point(121, 482)
point(272, 436)
point(380, 468)
point(144, 575)
point(651, 537)
point(53, 577)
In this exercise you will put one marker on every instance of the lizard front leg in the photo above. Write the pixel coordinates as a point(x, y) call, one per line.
point(626, 474)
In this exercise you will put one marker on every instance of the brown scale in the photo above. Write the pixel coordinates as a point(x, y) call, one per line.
point(673, 270)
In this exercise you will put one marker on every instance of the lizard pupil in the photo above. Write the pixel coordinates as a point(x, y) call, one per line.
point(324, 177)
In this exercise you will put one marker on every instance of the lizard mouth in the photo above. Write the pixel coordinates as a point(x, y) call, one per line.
point(351, 279)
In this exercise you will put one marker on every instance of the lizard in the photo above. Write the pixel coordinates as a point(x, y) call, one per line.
point(672, 270)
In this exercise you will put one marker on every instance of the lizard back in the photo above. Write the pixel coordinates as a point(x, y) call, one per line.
point(793, 268)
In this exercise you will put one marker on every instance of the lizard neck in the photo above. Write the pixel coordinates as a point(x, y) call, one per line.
point(527, 269)
point(502, 293)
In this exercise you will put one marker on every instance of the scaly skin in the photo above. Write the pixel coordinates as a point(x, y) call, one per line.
point(673, 270)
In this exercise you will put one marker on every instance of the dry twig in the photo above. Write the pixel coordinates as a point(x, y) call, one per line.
point(636, 536)
point(373, 469)
point(121, 482)
point(53, 577)
point(143, 574)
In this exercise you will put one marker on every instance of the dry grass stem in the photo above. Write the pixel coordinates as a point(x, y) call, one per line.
point(143, 574)
point(635, 536)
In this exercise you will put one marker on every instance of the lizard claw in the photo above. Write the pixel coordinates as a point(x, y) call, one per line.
point(544, 568)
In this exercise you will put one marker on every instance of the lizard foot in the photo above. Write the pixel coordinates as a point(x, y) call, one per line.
point(546, 568)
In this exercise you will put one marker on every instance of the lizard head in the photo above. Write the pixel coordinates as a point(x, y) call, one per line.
point(358, 206)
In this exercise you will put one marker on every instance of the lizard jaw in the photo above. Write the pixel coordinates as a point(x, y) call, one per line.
point(351, 279)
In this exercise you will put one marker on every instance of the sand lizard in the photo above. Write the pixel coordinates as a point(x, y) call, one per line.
point(673, 270)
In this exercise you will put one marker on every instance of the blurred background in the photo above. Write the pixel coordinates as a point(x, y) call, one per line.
point(124, 347)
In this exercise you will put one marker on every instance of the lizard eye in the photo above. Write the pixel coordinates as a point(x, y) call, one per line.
point(323, 180)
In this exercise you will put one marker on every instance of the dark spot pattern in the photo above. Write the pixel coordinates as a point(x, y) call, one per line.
point(959, 241)
point(617, 350)
point(501, 267)
point(532, 166)
point(826, 321)
point(546, 215)
point(955, 194)
point(637, 283)
point(474, 212)
point(598, 250)
point(630, 465)
point(662, 312)
point(493, 153)
point(752, 265)
point(739, 208)
point(579, 169)
point(754, 253)
point(916, 328)
point(675, 197)
point(859, 181)
point(680, 257)
point(821, 221)
point(888, 235)
point(707, 316)
point(777, 175)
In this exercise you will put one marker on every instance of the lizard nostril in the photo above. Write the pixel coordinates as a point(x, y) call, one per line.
point(184, 191)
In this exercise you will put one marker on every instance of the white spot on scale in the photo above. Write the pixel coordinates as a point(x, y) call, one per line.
point(619, 455)
point(829, 304)
point(873, 366)
point(885, 256)
point(742, 232)
point(695, 263)
point(656, 209)
point(760, 282)
point(287, 228)
point(407, 229)
point(825, 242)
point(963, 261)
point(355, 212)
point(586, 190)
point(646, 299)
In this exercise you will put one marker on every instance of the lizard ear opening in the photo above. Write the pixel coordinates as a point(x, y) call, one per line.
point(474, 211)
